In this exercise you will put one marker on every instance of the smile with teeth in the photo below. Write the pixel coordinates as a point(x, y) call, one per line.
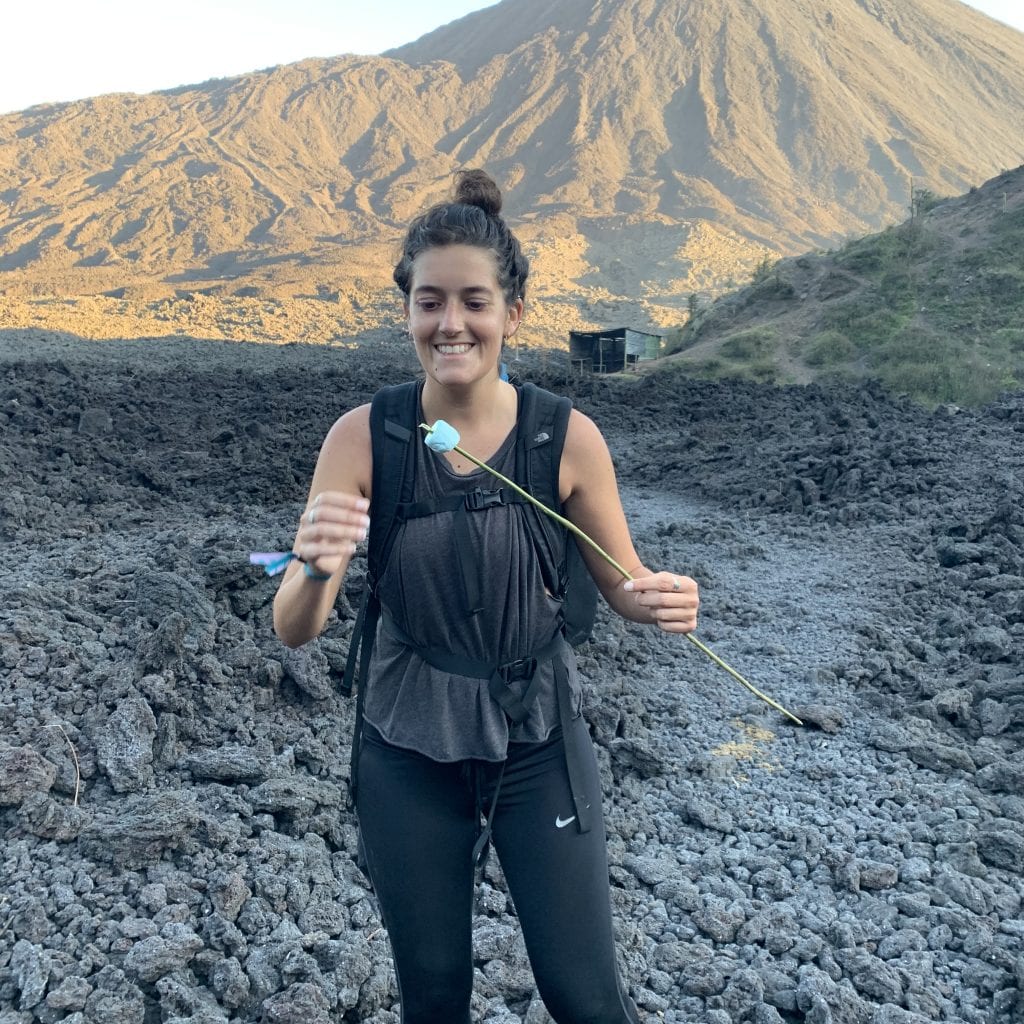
point(454, 350)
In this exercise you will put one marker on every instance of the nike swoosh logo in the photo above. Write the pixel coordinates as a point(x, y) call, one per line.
point(559, 823)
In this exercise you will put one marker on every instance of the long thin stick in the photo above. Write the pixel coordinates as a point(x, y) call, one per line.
point(74, 754)
point(576, 531)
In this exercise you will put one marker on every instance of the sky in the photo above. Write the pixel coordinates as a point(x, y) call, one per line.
point(70, 49)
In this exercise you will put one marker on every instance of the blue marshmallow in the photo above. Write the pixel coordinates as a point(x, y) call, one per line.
point(442, 437)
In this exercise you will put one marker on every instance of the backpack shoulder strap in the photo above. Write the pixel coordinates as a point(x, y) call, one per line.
point(543, 420)
point(393, 432)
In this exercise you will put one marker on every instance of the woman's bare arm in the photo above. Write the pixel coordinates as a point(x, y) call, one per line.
point(590, 497)
point(334, 521)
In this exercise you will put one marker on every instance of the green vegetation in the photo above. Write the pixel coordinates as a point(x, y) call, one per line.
point(718, 369)
point(751, 345)
point(746, 355)
point(828, 350)
point(933, 308)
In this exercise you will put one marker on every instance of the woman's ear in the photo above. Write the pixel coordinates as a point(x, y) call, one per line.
point(514, 318)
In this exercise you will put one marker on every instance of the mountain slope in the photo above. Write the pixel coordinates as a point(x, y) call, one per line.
point(933, 307)
point(781, 117)
point(648, 149)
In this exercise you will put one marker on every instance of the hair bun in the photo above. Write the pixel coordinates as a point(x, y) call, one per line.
point(477, 188)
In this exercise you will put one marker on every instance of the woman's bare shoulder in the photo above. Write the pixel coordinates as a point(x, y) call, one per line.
point(346, 456)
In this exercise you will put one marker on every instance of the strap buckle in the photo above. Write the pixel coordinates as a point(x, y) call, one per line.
point(481, 499)
point(524, 668)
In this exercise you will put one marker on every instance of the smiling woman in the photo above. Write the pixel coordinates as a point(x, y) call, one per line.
point(458, 317)
point(464, 301)
point(472, 727)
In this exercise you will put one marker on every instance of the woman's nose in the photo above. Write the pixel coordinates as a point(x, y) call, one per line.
point(451, 320)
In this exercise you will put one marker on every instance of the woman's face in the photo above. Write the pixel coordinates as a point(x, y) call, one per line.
point(458, 315)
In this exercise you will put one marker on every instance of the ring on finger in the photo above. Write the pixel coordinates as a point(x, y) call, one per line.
point(311, 516)
point(676, 585)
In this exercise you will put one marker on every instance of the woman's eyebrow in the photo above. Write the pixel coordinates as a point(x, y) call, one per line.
point(469, 289)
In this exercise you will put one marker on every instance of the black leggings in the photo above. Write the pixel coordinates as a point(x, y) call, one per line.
point(420, 820)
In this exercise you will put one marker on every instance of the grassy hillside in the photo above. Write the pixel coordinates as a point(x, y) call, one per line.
point(933, 307)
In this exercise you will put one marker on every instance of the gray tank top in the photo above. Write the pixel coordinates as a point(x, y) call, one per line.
point(444, 716)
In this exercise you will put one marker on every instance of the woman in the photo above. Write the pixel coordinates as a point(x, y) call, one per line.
point(438, 752)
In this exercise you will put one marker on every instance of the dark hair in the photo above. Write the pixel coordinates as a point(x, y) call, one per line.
point(473, 217)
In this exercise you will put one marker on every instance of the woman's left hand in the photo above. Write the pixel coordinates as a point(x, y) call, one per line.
point(671, 601)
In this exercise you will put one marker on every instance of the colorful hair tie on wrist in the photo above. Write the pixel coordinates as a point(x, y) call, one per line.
point(273, 562)
point(320, 577)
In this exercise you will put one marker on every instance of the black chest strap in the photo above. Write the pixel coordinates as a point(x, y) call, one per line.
point(477, 500)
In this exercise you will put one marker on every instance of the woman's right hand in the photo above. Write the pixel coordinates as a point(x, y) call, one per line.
point(332, 525)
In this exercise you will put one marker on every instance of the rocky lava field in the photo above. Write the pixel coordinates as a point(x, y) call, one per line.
point(176, 845)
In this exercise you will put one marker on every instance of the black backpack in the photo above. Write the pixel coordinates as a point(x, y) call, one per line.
point(394, 429)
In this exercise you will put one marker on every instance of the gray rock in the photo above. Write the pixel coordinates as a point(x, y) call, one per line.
point(229, 892)
point(693, 967)
point(95, 421)
point(71, 994)
point(30, 968)
point(1003, 848)
point(940, 757)
point(308, 669)
point(23, 772)
point(823, 716)
point(46, 818)
point(181, 999)
point(262, 969)
point(719, 920)
point(329, 916)
point(991, 643)
point(221, 934)
point(1002, 777)
point(893, 946)
point(230, 762)
point(160, 596)
point(125, 747)
point(298, 794)
point(743, 994)
point(494, 940)
point(708, 815)
point(971, 893)
point(821, 1000)
point(141, 827)
point(653, 870)
point(230, 983)
point(638, 755)
point(871, 976)
point(876, 875)
point(954, 704)
point(301, 1003)
point(114, 999)
point(962, 857)
point(890, 1014)
point(172, 950)
point(775, 927)
point(994, 716)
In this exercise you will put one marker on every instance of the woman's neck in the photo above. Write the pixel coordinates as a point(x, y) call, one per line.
point(481, 406)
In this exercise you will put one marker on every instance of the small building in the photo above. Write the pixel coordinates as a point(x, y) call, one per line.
point(611, 350)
